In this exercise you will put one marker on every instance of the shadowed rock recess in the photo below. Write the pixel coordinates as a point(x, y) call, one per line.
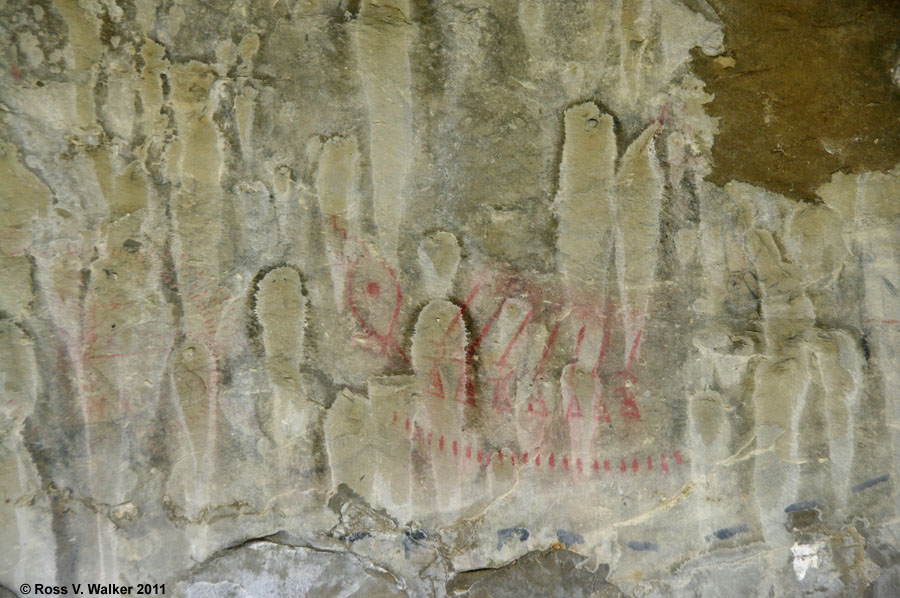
point(433, 298)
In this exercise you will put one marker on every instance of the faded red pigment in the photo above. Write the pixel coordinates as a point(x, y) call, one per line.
point(219, 315)
point(376, 302)
point(416, 435)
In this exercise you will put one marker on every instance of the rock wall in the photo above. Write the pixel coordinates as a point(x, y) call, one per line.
point(451, 298)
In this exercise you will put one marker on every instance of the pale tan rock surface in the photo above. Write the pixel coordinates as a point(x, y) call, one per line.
point(416, 298)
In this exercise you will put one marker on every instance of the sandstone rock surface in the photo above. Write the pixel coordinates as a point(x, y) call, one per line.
point(450, 298)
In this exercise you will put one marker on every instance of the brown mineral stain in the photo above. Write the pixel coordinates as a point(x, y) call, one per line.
point(809, 92)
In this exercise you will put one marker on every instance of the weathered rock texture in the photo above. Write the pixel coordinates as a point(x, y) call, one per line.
point(413, 298)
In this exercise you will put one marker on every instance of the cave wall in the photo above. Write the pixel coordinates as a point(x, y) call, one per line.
point(451, 298)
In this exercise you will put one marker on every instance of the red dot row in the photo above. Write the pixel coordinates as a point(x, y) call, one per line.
point(578, 465)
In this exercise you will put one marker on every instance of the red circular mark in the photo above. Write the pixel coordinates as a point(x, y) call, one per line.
point(376, 329)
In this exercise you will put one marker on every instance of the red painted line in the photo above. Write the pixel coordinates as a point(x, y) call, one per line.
point(606, 465)
point(537, 461)
point(566, 463)
point(429, 439)
point(441, 444)
point(474, 346)
point(463, 308)
point(578, 343)
point(649, 462)
point(500, 455)
point(455, 452)
point(525, 458)
point(489, 455)
point(634, 465)
point(334, 224)
point(387, 339)
point(632, 355)
point(479, 456)
point(407, 424)
point(550, 340)
point(603, 348)
point(470, 388)
point(512, 460)
point(502, 360)
point(551, 460)
point(624, 467)
point(665, 466)
point(877, 321)
point(578, 465)
point(453, 322)
point(634, 349)
point(662, 114)
point(677, 456)
point(468, 451)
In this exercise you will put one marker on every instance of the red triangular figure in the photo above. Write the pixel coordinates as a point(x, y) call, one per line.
point(574, 409)
point(437, 386)
point(568, 390)
point(501, 394)
point(629, 406)
point(541, 406)
point(601, 413)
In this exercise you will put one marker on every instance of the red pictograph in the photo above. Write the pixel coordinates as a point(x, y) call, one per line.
point(377, 307)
